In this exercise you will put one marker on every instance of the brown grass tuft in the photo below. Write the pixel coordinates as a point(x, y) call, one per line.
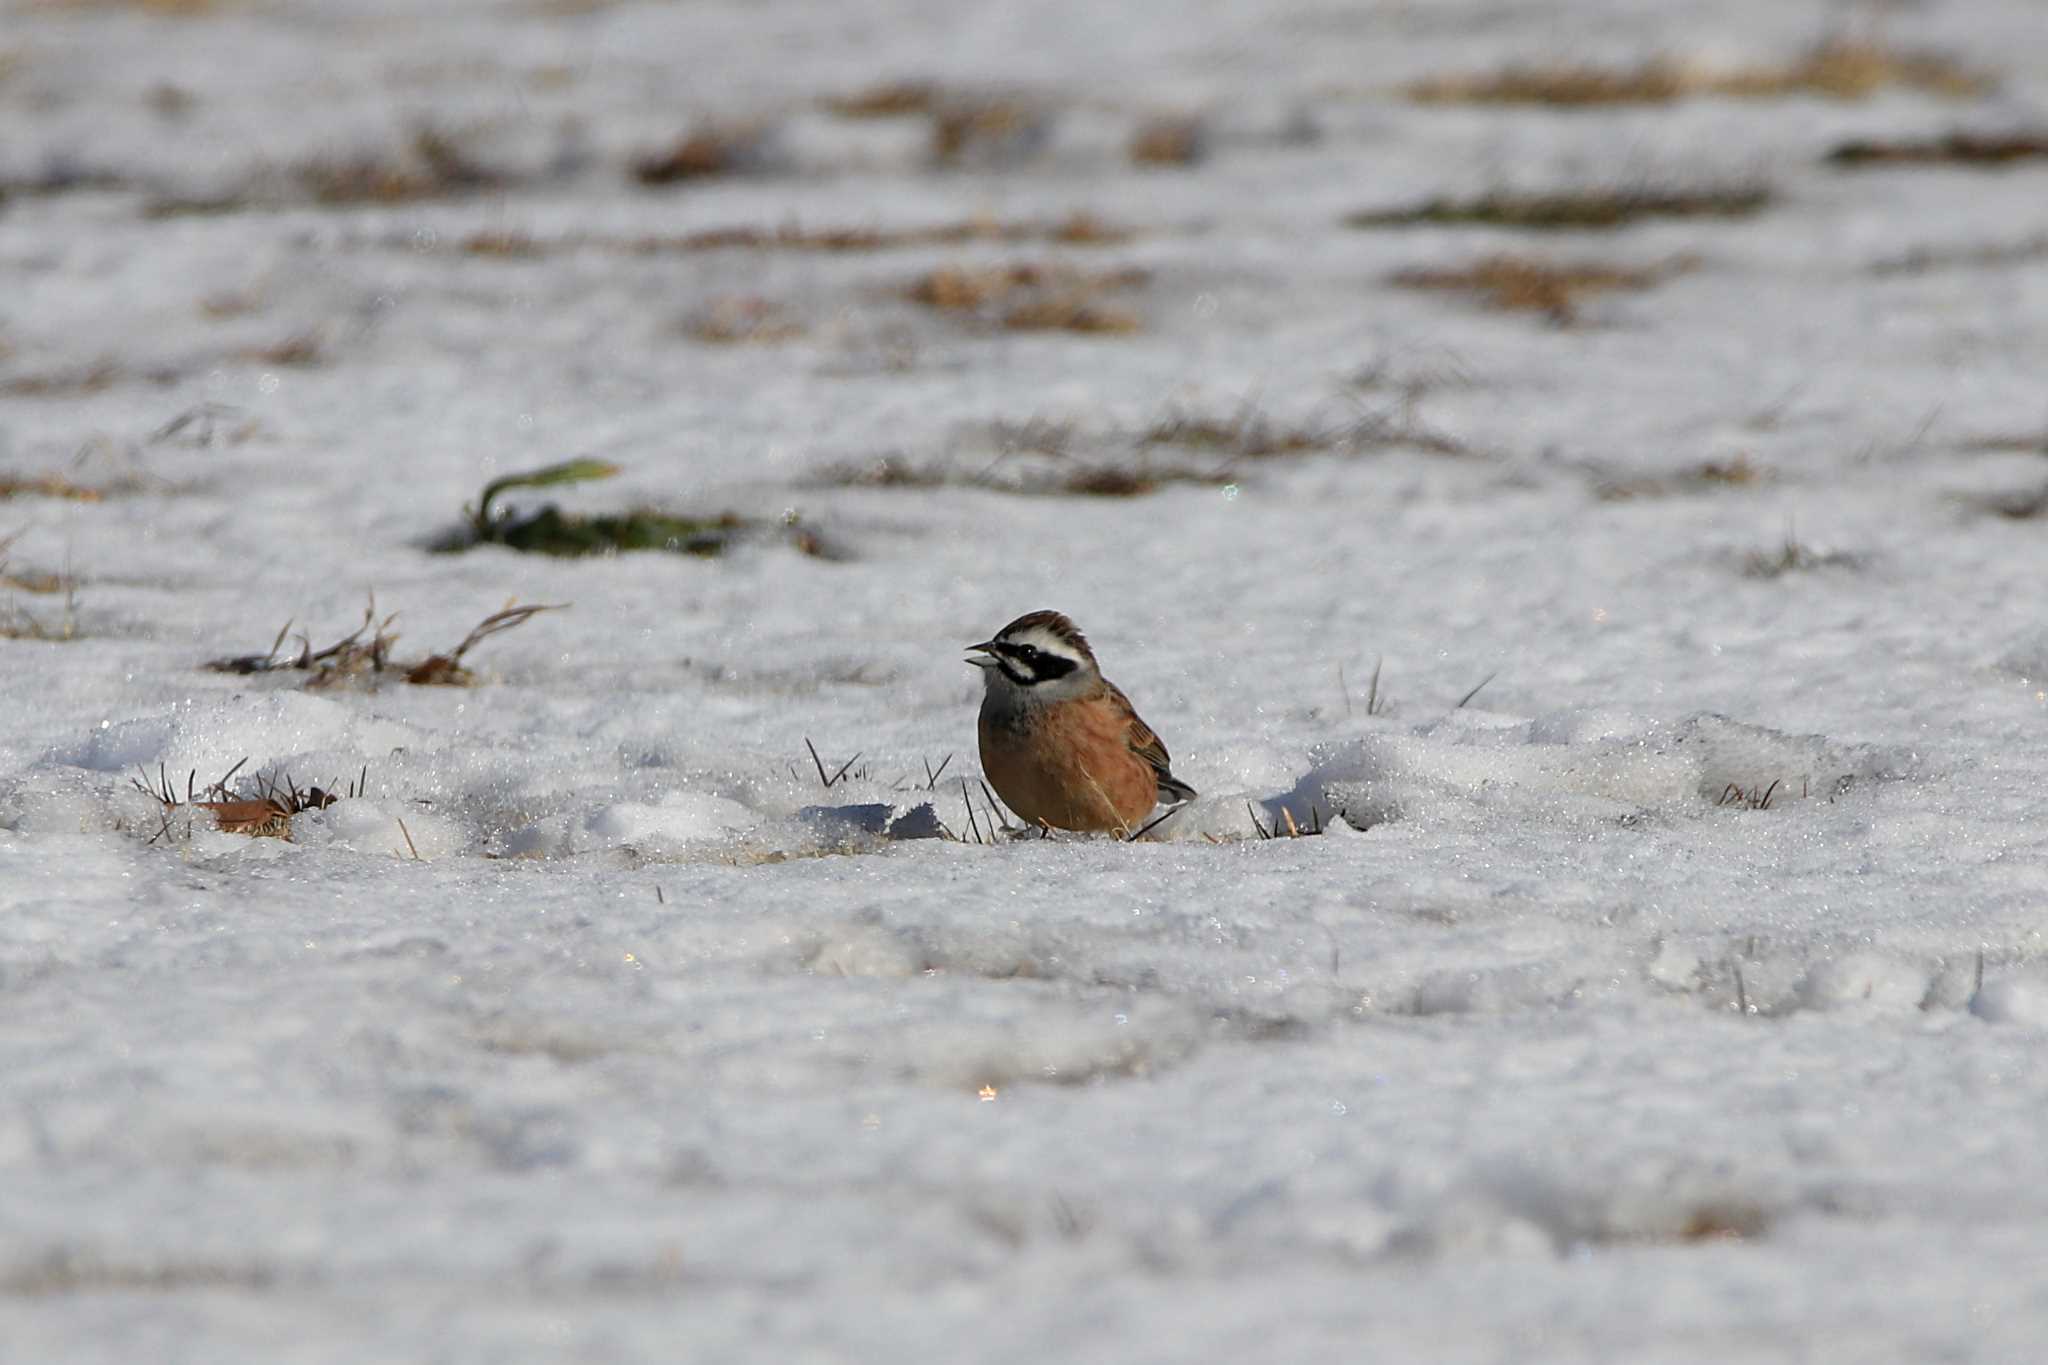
point(48, 486)
point(1792, 556)
point(90, 378)
point(500, 242)
point(1044, 458)
point(993, 130)
point(356, 661)
point(1654, 82)
point(1842, 69)
point(892, 99)
point(1027, 297)
point(1245, 433)
point(262, 809)
point(17, 623)
point(1064, 313)
point(706, 152)
point(432, 166)
point(224, 304)
point(1739, 472)
point(743, 319)
point(32, 581)
point(1849, 69)
point(886, 471)
point(1170, 141)
point(1557, 210)
point(2016, 443)
point(2012, 504)
point(1524, 283)
point(298, 350)
point(174, 8)
point(1081, 228)
point(1955, 149)
point(1076, 229)
point(1249, 434)
point(1922, 260)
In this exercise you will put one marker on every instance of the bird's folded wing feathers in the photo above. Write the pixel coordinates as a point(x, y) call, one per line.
point(1152, 749)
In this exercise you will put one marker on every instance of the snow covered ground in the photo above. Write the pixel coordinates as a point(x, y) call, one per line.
point(1680, 997)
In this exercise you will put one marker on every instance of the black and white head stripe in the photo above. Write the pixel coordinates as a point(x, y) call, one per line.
point(1042, 647)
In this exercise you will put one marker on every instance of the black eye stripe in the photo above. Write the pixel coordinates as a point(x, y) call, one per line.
point(1028, 664)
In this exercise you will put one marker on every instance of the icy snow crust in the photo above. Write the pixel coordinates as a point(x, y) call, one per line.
point(636, 1043)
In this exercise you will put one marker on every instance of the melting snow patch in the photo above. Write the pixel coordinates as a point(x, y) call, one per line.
point(379, 827)
point(275, 729)
point(1730, 755)
point(1593, 764)
point(876, 818)
point(1512, 1207)
point(1865, 978)
point(1495, 990)
point(676, 825)
point(2013, 1000)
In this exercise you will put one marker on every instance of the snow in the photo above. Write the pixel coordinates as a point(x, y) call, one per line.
point(1677, 997)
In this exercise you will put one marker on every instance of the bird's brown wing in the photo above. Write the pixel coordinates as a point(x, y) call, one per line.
point(1152, 749)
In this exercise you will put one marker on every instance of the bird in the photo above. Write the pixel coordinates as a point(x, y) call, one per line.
point(1061, 744)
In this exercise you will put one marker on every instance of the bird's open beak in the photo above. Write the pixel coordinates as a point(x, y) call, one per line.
point(984, 649)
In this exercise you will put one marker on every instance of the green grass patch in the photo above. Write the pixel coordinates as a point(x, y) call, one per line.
point(550, 530)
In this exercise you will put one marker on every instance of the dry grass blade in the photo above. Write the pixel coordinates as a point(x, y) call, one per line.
point(1475, 691)
point(1285, 825)
point(18, 624)
point(1154, 823)
point(836, 777)
point(973, 821)
point(446, 670)
point(995, 807)
point(197, 426)
point(1750, 798)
